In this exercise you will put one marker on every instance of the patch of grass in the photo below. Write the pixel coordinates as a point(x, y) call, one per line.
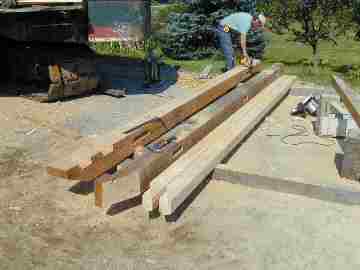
point(296, 58)
point(197, 65)
point(114, 48)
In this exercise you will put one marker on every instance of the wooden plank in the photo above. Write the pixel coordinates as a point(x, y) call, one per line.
point(191, 131)
point(158, 186)
point(193, 167)
point(151, 197)
point(347, 96)
point(340, 193)
point(86, 164)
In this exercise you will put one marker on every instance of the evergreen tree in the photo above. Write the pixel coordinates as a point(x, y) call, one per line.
point(356, 11)
point(191, 35)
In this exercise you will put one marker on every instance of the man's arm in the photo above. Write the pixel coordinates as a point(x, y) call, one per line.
point(243, 45)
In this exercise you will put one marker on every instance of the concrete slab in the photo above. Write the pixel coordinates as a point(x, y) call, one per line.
point(275, 158)
point(304, 89)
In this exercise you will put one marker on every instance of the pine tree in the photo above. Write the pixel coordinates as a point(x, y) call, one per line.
point(356, 12)
point(191, 35)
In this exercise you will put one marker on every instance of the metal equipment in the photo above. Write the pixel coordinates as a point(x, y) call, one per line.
point(45, 43)
point(333, 119)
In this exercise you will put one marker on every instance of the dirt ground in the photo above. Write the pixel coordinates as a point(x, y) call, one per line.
point(44, 225)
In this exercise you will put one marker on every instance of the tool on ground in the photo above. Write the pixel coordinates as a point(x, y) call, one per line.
point(205, 74)
point(159, 146)
point(308, 105)
point(115, 92)
point(45, 45)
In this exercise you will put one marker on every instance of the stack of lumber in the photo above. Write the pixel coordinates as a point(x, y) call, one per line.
point(150, 164)
point(88, 163)
point(171, 188)
point(180, 143)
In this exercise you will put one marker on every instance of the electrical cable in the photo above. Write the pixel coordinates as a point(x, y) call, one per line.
point(301, 132)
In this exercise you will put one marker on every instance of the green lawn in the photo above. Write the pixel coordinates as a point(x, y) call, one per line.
point(295, 56)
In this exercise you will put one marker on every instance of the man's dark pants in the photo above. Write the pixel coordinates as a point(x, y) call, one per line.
point(226, 45)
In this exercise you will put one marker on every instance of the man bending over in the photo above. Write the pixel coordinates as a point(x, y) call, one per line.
point(237, 23)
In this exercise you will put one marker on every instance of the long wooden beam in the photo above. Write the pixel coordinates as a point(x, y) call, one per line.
point(150, 164)
point(214, 148)
point(180, 179)
point(86, 163)
point(347, 96)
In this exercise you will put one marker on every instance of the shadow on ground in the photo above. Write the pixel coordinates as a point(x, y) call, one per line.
point(129, 74)
point(116, 73)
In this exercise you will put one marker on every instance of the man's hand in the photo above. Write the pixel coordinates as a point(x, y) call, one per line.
point(247, 59)
point(243, 47)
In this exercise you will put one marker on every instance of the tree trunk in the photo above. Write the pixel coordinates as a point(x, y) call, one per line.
point(357, 36)
point(316, 59)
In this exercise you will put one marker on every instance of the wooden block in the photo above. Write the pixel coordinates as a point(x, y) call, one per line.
point(193, 167)
point(109, 191)
point(88, 164)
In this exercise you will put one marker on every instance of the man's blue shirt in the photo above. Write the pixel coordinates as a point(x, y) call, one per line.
point(240, 22)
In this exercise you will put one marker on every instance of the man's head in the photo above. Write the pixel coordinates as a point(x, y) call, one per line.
point(259, 21)
point(262, 19)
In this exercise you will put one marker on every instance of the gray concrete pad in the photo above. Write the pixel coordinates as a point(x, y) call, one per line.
point(233, 227)
point(304, 89)
point(305, 165)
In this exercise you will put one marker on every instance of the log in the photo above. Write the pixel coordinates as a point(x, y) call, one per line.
point(187, 134)
point(88, 163)
point(347, 95)
point(177, 183)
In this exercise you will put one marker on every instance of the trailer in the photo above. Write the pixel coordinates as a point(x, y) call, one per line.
point(45, 44)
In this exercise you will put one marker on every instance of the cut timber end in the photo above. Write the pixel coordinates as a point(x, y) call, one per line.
point(147, 201)
point(119, 144)
point(193, 167)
